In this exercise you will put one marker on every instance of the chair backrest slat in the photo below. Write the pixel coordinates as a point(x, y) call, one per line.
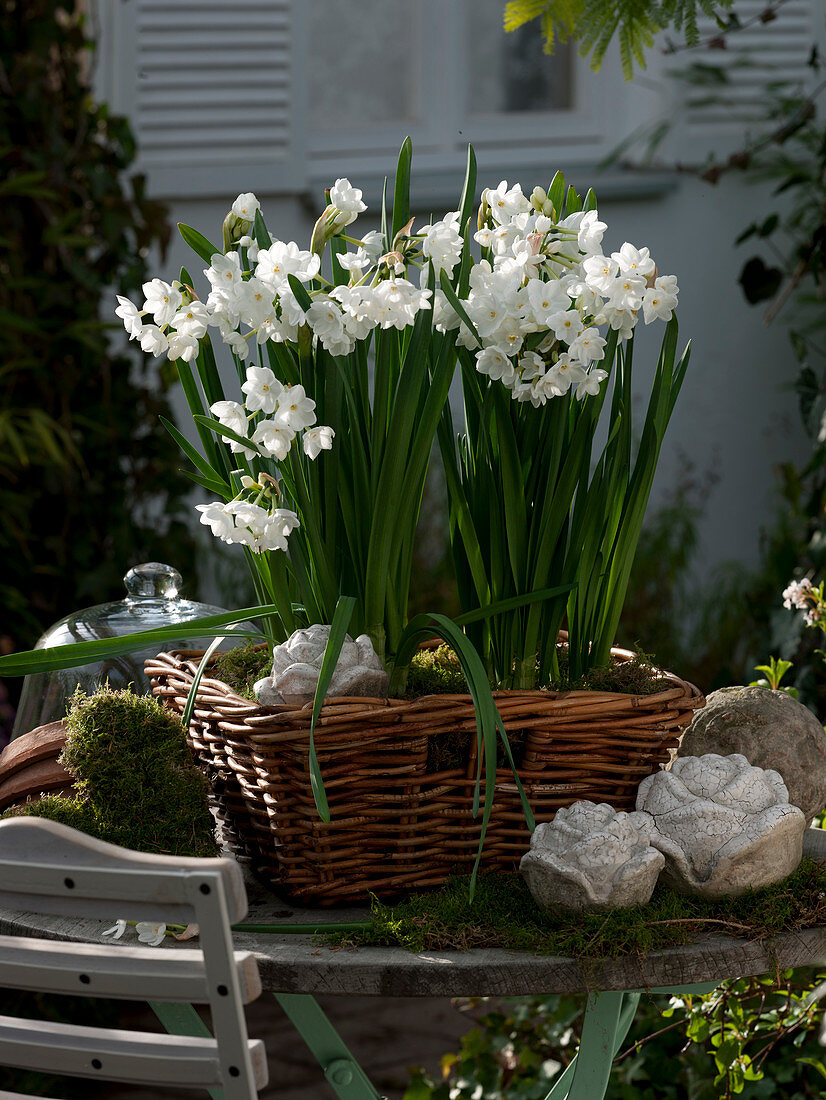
point(126, 1056)
point(48, 868)
point(131, 973)
point(43, 869)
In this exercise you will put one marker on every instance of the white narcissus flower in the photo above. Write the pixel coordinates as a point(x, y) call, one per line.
point(273, 439)
point(224, 272)
point(531, 366)
point(590, 232)
point(524, 258)
point(217, 519)
point(281, 259)
point(324, 318)
point(232, 416)
point(237, 344)
point(562, 375)
point(660, 300)
point(254, 301)
point(494, 362)
point(130, 315)
point(277, 530)
point(442, 245)
point(589, 386)
point(262, 389)
point(116, 931)
point(373, 244)
point(510, 335)
point(506, 202)
point(544, 299)
point(150, 932)
point(354, 261)
point(347, 199)
point(192, 319)
point(246, 206)
point(152, 340)
point(588, 346)
point(316, 440)
point(626, 292)
point(487, 312)
point(600, 272)
point(295, 410)
point(566, 326)
point(182, 346)
point(634, 261)
point(162, 300)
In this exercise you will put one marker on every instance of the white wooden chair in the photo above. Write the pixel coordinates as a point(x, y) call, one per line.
point(49, 868)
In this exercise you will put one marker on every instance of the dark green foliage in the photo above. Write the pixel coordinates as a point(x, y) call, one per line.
point(136, 781)
point(753, 1037)
point(82, 460)
point(503, 914)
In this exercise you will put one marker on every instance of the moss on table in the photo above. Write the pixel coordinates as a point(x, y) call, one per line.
point(503, 914)
point(136, 781)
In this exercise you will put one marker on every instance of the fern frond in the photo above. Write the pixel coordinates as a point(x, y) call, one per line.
point(519, 12)
point(595, 23)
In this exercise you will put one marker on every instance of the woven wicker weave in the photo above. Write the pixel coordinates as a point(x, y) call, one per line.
point(399, 775)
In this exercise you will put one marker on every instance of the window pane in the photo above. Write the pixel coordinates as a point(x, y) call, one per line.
point(509, 72)
point(361, 78)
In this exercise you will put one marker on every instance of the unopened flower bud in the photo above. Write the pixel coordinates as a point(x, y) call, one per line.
point(538, 198)
point(234, 229)
point(484, 211)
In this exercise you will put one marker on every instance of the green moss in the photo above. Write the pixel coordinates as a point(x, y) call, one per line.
point(137, 784)
point(435, 672)
point(241, 666)
point(636, 676)
point(503, 914)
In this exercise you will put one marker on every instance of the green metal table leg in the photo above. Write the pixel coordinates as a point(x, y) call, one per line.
point(182, 1019)
point(340, 1068)
point(595, 1047)
point(628, 1008)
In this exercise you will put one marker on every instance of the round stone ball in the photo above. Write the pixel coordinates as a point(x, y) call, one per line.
point(771, 730)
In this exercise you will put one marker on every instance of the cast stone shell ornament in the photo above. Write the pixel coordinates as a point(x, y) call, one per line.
point(724, 826)
point(592, 857)
point(297, 663)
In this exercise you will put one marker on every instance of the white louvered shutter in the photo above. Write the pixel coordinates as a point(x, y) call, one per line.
point(757, 55)
point(215, 92)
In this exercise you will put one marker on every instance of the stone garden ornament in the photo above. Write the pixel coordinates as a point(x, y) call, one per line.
point(770, 729)
point(592, 857)
point(724, 826)
point(297, 664)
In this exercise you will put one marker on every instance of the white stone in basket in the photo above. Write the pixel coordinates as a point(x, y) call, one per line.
point(297, 664)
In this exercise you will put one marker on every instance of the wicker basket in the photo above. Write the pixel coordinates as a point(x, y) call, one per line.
point(400, 774)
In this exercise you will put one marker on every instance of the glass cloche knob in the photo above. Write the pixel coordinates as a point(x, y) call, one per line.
point(153, 580)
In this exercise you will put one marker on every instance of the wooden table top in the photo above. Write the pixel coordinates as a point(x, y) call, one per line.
point(300, 964)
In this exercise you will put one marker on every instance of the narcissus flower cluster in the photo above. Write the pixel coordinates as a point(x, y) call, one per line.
point(535, 311)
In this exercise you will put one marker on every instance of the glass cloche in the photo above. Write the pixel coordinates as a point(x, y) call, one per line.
point(152, 600)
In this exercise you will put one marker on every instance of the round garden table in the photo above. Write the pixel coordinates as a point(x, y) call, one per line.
point(296, 966)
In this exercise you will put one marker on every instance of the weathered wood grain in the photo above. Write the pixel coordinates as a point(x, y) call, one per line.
point(297, 964)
